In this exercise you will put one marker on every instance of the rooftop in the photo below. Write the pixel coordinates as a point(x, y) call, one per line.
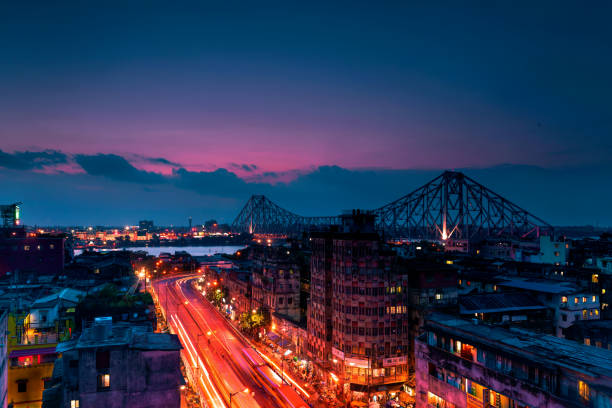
point(544, 349)
point(498, 302)
point(540, 285)
point(121, 334)
point(70, 295)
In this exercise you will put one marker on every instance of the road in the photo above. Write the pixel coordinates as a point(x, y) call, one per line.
point(222, 359)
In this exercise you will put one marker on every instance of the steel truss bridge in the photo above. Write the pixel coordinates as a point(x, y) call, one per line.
point(451, 206)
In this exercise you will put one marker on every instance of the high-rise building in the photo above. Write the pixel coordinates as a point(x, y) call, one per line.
point(358, 311)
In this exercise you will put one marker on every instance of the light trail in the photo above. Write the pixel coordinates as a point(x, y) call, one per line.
point(305, 393)
point(214, 396)
point(238, 369)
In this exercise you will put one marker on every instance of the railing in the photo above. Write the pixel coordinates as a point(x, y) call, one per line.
point(38, 338)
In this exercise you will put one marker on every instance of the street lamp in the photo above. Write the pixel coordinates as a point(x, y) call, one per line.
point(246, 390)
point(285, 354)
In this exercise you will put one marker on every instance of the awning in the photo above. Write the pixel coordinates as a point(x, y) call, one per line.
point(31, 352)
point(390, 387)
point(272, 336)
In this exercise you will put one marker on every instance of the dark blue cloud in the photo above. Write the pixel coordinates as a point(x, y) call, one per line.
point(569, 195)
point(28, 160)
point(161, 160)
point(116, 168)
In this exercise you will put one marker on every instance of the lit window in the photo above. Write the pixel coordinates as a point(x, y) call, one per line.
point(603, 291)
point(556, 253)
point(583, 390)
point(596, 312)
point(584, 314)
point(74, 403)
point(438, 296)
point(595, 278)
point(587, 341)
point(26, 247)
point(564, 299)
point(575, 300)
point(435, 401)
point(103, 381)
point(52, 246)
point(584, 299)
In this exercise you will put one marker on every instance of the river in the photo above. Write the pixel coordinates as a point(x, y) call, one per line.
point(193, 250)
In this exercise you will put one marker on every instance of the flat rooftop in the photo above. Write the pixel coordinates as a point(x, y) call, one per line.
point(122, 335)
point(543, 349)
point(540, 285)
point(498, 302)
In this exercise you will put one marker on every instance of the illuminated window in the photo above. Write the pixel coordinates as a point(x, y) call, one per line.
point(435, 401)
point(594, 298)
point(26, 247)
point(52, 246)
point(564, 299)
point(438, 296)
point(584, 314)
point(74, 403)
point(595, 278)
point(575, 300)
point(103, 381)
point(584, 299)
point(603, 291)
point(587, 341)
point(596, 312)
point(583, 390)
point(556, 253)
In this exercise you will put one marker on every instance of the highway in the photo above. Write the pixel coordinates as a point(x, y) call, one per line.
point(221, 359)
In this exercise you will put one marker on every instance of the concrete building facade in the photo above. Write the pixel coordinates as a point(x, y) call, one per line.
point(276, 281)
point(464, 364)
point(115, 366)
point(358, 312)
point(3, 359)
point(23, 253)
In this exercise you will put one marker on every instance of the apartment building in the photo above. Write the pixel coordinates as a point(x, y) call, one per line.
point(462, 363)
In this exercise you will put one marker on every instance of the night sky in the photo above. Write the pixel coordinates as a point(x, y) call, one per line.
point(114, 112)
